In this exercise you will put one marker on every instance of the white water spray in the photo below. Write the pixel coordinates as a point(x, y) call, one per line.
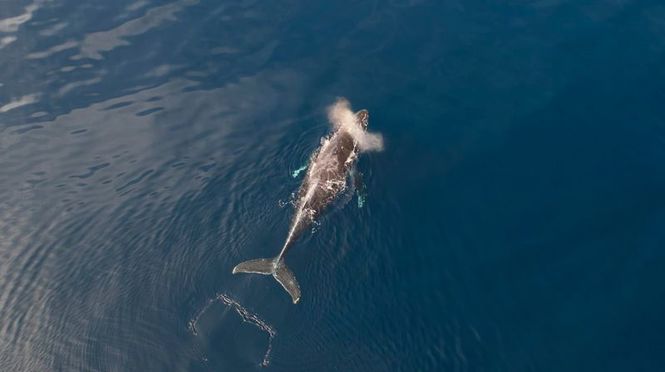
point(341, 117)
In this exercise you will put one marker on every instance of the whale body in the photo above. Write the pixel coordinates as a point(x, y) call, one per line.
point(326, 179)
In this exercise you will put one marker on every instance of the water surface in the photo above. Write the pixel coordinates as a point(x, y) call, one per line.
point(514, 222)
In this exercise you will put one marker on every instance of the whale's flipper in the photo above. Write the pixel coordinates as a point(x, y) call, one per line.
point(296, 172)
point(359, 186)
point(276, 268)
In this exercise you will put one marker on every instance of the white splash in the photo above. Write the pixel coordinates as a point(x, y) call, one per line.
point(341, 117)
point(246, 316)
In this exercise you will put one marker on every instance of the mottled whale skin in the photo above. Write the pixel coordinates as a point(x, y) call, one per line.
point(326, 178)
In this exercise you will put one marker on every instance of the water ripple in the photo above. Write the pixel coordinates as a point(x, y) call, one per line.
point(246, 315)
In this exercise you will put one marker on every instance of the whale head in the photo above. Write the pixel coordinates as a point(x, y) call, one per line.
point(363, 118)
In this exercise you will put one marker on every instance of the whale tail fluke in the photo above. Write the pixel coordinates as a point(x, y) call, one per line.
point(263, 266)
point(286, 278)
point(275, 267)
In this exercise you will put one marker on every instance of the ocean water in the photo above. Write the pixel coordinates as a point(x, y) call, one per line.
point(515, 220)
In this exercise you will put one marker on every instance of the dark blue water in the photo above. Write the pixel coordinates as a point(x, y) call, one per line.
point(514, 222)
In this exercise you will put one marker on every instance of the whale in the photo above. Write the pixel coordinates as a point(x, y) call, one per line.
point(326, 178)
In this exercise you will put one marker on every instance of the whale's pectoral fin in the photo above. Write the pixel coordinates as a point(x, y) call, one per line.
point(296, 172)
point(286, 278)
point(281, 273)
point(359, 186)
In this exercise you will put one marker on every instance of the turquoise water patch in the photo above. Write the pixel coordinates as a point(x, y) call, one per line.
point(297, 172)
